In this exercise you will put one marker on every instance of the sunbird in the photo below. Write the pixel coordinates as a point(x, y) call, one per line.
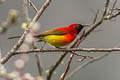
point(61, 36)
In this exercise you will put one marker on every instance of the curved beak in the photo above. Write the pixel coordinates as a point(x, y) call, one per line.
point(85, 25)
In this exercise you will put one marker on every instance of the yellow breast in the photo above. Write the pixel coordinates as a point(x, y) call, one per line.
point(56, 40)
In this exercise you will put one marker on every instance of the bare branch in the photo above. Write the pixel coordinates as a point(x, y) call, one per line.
point(71, 57)
point(25, 11)
point(19, 43)
point(96, 15)
point(35, 19)
point(106, 7)
point(87, 63)
point(33, 5)
point(37, 55)
point(68, 50)
point(112, 16)
point(107, 17)
point(84, 65)
point(54, 67)
point(113, 7)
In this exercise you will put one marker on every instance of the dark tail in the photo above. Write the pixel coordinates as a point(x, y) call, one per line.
point(39, 37)
point(36, 36)
point(14, 37)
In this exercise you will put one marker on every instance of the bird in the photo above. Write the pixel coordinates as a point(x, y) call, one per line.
point(61, 36)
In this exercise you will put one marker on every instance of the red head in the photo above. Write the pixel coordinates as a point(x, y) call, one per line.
point(76, 27)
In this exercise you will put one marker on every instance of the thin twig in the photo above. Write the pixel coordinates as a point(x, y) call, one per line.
point(100, 22)
point(33, 5)
point(37, 55)
point(25, 11)
point(67, 50)
point(67, 68)
point(106, 7)
point(112, 16)
point(71, 57)
point(113, 7)
point(96, 15)
point(87, 63)
point(19, 43)
point(86, 34)
point(53, 67)
point(84, 65)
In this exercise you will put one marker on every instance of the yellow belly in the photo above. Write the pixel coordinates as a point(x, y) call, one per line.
point(56, 40)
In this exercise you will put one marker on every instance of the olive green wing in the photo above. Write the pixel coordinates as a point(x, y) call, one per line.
point(51, 32)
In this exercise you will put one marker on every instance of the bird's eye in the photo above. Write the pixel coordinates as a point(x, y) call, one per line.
point(77, 27)
point(71, 32)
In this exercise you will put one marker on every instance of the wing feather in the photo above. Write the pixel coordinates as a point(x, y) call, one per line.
point(51, 32)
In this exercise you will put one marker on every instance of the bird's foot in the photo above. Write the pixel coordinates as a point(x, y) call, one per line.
point(60, 48)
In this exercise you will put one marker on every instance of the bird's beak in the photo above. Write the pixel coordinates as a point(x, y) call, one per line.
point(85, 25)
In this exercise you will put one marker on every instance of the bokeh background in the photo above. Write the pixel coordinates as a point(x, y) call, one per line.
point(61, 13)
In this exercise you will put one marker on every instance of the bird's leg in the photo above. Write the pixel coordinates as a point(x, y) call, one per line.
point(39, 40)
point(60, 48)
point(43, 45)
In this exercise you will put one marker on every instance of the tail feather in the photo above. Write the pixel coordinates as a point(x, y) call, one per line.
point(14, 37)
point(38, 37)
